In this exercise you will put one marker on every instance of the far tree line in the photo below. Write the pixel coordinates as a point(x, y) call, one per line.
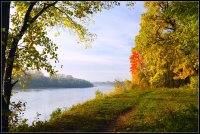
point(38, 80)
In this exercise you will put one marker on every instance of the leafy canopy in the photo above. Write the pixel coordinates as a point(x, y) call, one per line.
point(168, 42)
point(35, 48)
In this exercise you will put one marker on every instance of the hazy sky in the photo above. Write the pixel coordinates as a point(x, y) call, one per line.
point(108, 58)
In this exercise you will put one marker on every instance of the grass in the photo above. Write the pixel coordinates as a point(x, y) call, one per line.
point(150, 110)
point(165, 110)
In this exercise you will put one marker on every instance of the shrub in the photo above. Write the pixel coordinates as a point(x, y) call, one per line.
point(119, 86)
point(55, 113)
point(128, 84)
point(16, 113)
point(98, 94)
point(194, 83)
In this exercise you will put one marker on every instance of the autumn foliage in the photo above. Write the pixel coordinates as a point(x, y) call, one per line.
point(168, 43)
point(135, 61)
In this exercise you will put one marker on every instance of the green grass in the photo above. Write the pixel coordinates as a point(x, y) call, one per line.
point(153, 110)
point(165, 110)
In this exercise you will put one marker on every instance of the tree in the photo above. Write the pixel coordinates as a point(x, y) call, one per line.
point(5, 28)
point(168, 41)
point(136, 63)
point(29, 30)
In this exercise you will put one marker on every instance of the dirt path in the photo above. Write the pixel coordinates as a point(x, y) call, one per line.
point(120, 121)
point(117, 124)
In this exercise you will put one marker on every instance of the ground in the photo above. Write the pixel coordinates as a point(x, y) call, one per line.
point(130, 110)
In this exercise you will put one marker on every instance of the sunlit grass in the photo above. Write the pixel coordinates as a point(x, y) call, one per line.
point(169, 110)
point(152, 110)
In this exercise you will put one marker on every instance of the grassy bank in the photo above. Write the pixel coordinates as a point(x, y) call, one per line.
point(131, 110)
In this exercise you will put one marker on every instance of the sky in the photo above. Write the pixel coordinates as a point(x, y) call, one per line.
point(108, 57)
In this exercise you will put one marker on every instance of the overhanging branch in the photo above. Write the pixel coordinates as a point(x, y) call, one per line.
point(26, 19)
point(64, 13)
point(43, 10)
point(14, 83)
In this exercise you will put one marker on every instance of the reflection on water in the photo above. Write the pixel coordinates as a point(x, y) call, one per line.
point(44, 101)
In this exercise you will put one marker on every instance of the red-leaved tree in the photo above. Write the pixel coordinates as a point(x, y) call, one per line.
point(135, 61)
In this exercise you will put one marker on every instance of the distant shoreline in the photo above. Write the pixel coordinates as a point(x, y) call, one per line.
point(52, 88)
point(43, 82)
point(35, 88)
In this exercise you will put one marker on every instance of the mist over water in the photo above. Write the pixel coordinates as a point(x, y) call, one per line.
point(45, 101)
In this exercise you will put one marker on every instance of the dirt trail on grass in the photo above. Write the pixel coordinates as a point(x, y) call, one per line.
point(117, 124)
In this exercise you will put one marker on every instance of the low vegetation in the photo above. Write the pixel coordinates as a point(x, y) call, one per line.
point(149, 110)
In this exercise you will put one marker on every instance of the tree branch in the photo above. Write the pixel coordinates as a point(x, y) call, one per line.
point(27, 15)
point(64, 13)
point(26, 19)
point(14, 83)
point(43, 10)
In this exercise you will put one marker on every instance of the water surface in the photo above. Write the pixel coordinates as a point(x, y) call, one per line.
point(44, 101)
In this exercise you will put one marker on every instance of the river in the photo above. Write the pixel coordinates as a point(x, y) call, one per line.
point(44, 101)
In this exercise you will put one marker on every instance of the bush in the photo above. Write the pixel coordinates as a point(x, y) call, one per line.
point(98, 94)
point(194, 83)
point(119, 86)
point(55, 113)
point(128, 84)
point(16, 113)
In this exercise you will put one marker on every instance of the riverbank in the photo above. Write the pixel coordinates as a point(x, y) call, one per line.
point(45, 101)
point(130, 110)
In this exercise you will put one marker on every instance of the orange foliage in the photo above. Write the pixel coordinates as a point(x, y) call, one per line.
point(135, 61)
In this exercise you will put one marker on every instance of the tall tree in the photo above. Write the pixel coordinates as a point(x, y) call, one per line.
point(168, 40)
point(5, 28)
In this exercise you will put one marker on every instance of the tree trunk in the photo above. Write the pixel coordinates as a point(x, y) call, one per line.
point(7, 73)
point(5, 27)
point(7, 84)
